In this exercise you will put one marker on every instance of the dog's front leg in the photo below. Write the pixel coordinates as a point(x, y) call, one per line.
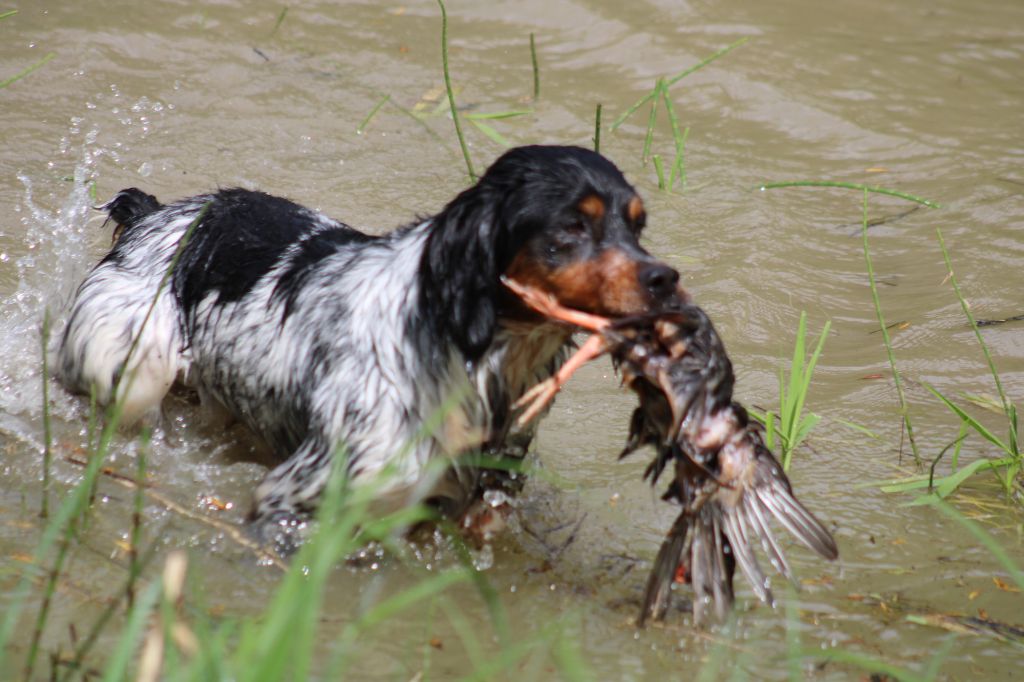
point(286, 498)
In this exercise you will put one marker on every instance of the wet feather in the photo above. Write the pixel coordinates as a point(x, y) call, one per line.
point(728, 483)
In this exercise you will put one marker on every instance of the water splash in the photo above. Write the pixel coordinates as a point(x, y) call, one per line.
point(55, 257)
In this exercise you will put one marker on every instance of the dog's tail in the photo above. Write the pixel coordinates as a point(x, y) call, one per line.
point(128, 208)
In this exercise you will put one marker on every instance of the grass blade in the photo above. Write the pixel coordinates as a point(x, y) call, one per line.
point(679, 163)
point(856, 427)
point(1000, 554)
point(373, 112)
point(26, 71)
point(536, 69)
point(419, 121)
point(597, 129)
point(904, 409)
point(117, 664)
point(490, 132)
point(652, 118)
point(1008, 408)
point(499, 114)
point(852, 185)
point(660, 170)
point(47, 432)
point(451, 93)
point(974, 423)
point(277, 24)
point(675, 79)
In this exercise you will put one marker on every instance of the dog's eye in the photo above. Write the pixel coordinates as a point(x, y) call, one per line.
point(569, 238)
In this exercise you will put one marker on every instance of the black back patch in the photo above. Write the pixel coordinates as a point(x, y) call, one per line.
point(310, 252)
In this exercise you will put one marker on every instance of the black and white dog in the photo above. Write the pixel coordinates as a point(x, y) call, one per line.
point(325, 340)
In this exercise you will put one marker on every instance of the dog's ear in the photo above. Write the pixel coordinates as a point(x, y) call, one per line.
point(465, 255)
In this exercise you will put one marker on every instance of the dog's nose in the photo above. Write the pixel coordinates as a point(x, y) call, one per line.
point(660, 280)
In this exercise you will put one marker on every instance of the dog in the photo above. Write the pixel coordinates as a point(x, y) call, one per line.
point(328, 342)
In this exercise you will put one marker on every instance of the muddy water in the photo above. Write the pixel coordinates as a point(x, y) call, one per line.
point(179, 97)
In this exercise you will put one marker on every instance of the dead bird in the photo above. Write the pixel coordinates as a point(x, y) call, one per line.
point(727, 481)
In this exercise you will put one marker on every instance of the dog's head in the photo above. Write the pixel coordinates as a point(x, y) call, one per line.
point(560, 219)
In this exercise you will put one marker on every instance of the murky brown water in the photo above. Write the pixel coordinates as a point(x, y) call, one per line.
point(179, 97)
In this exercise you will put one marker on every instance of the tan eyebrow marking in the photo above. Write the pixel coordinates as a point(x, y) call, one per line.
point(592, 206)
point(635, 209)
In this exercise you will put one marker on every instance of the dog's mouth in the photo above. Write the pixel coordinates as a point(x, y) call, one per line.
point(613, 284)
point(527, 294)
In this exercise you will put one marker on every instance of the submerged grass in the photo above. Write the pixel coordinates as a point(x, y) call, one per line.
point(653, 94)
point(373, 112)
point(27, 70)
point(873, 285)
point(872, 189)
point(1006, 468)
point(277, 24)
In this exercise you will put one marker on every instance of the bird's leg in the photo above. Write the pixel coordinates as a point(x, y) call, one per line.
point(538, 397)
point(548, 306)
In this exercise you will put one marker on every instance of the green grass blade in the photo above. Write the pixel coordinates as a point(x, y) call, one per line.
point(386, 610)
point(424, 589)
point(373, 112)
point(47, 432)
point(934, 666)
point(652, 118)
point(8, 13)
point(919, 481)
point(277, 24)
point(113, 605)
point(675, 79)
point(419, 121)
point(479, 116)
point(974, 423)
point(800, 427)
point(44, 609)
point(790, 412)
point(947, 485)
point(138, 618)
point(490, 132)
point(990, 543)
point(678, 164)
point(1010, 413)
point(536, 68)
point(806, 425)
point(660, 170)
point(597, 129)
point(856, 427)
point(851, 185)
point(451, 92)
point(26, 71)
point(904, 408)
